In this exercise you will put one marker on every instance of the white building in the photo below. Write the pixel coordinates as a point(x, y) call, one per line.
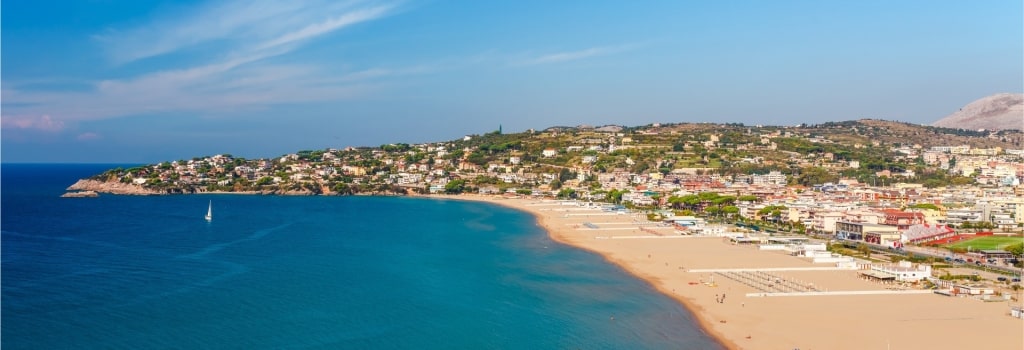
point(904, 271)
point(772, 178)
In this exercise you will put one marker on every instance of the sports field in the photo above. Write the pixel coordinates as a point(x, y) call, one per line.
point(987, 243)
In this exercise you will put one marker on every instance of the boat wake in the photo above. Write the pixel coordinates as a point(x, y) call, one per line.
point(219, 246)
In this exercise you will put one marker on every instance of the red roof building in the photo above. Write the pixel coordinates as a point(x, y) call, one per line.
point(902, 219)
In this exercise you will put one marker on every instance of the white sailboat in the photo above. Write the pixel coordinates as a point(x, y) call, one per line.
point(209, 212)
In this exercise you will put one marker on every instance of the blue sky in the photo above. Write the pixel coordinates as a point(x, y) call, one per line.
point(147, 81)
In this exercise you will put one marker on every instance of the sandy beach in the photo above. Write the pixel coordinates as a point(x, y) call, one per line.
point(672, 264)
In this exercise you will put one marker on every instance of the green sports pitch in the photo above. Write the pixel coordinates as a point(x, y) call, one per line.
point(987, 243)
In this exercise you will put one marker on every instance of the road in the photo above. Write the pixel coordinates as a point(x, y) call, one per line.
point(942, 255)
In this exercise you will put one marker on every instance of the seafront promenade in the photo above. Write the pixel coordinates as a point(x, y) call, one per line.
point(821, 307)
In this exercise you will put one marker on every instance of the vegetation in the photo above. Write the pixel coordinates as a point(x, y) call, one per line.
point(586, 158)
point(988, 243)
point(926, 206)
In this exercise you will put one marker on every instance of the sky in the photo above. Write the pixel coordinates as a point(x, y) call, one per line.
point(147, 81)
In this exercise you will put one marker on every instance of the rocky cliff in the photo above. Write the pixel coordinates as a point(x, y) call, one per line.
point(110, 187)
point(996, 112)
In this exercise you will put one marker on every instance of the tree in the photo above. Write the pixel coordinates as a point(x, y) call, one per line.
point(1015, 249)
point(708, 196)
point(477, 158)
point(730, 211)
point(342, 188)
point(615, 196)
point(724, 200)
point(815, 175)
point(748, 198)
point(772, 211)
point(566, 175)
point(927, 206)
point(455, 186)
point(864, 249)
point(567, 193)
point(556, 184)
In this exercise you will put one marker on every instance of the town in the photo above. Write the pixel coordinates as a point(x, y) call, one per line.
point(801, 178)
point(808, 178)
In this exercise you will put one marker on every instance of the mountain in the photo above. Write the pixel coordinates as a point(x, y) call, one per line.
point(996, 112)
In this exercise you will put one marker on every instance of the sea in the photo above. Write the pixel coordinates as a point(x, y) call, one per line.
point(283, 272)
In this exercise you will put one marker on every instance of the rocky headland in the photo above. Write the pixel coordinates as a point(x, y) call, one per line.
point(80, 194)
point(96, 186)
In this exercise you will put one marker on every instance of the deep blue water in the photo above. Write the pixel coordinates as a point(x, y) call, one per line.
point(124, 272)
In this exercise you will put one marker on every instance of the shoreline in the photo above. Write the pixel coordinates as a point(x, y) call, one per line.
point(893, 320)
point(542, 221)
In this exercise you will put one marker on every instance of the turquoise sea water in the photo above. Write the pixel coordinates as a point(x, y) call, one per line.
point(124, 272)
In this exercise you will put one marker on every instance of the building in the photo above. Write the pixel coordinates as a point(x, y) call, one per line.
point(826, 222)
point(772, 178)
point(995, 254)
point(904, 271)
point(972, 289)
point(686, 224)
point(888, 238)
point(855, 231)
point(960, 216)
point(902, 219)
point(924, 233)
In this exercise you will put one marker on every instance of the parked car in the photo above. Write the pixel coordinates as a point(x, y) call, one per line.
point(1001, 279)
point(1016, 279)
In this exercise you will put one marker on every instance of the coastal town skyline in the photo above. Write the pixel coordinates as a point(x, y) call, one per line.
point(148, 82)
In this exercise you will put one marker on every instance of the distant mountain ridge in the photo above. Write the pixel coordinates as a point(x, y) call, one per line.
point(997, 112)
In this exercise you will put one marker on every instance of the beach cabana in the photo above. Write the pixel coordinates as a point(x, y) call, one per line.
point(878, 276)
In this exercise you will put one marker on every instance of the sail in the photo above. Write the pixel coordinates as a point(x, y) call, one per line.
point(209, 212)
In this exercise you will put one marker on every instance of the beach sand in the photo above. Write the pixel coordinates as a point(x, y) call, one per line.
point(894, 321)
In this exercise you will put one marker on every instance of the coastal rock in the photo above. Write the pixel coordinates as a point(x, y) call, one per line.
point(80, 194)
point(111, 187)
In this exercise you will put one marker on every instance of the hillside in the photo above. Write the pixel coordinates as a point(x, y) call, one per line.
point(589, 158)
point(996, 112)
point(890, 132)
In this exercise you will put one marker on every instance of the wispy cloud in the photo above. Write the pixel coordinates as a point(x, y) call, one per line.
point(226, 50)
point(567, 56)
point(234, 23)
point(40, 123)
point(87, 136)
point(312, 30)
